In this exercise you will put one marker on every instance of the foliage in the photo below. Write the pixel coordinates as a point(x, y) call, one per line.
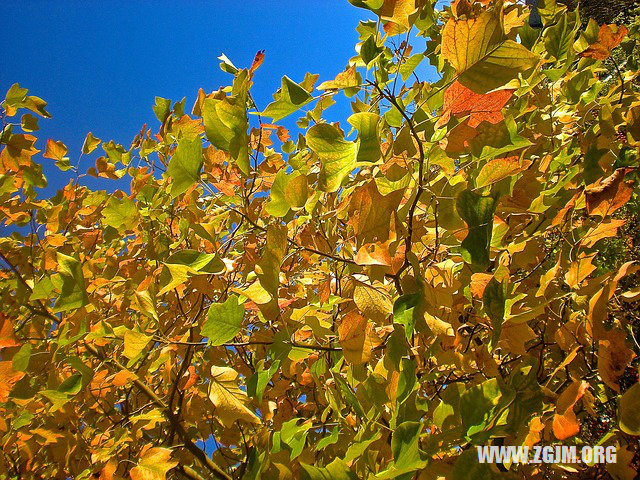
point(366, 300)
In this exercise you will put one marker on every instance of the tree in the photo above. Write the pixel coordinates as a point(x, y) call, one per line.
point(371, 299)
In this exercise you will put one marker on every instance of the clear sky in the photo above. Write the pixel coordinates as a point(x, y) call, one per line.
point(100, 64)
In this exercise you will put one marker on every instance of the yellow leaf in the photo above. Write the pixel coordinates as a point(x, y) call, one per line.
point(229, 400)
point(482, 56)
point(153, 465)
point(90, 143)
point(134, 343)
point(356, 338)
point(372, 300)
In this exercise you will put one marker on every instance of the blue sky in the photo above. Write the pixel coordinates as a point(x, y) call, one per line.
point(100, 64)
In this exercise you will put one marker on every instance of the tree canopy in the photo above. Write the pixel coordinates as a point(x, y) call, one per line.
point(365, 299)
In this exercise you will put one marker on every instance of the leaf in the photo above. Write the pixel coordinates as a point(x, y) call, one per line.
point(8, 378)
point(224, 321)
point(370, 212)
point(608, 195)
point(565, 423)
point(480, 53)
point(153, 465)
point(602, 230)
point(259, 380)
point(629, 410)
point(480, 406)
point(405, 446)
point(373, 301)
point(57, 151)
point(7, 338)
point(493, 301)
point(608, 39)
point(197, 262)
point(398, 12)
point(337, 156)
point(184, 166)
point(613, 358)
point(356, 338)
point(226, 396)
point(499, 169)
point(481, 107)
point(579, 270)
point(368, 140)
point(560, 37)
point(257, 61)
point(288, 191)
point(134, 343)
point(121, 213)
point(348, 79)
point(477, 212)
point(73, 292)
point(294, 435)
point(226, 124)
point(336, 470)
point(290, 98)
point(406, 311)
point(90, 143)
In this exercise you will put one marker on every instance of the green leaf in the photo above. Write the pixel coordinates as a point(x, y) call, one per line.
point(481, 406)
point(162, 108)
point(349, 396)
point(197, 262)
point(499, 67)
point(467, 467)
point(20, 361)
point(368, 140)
point(259, 380)
point(71, 385)
point(406, 312)
point(630, 411)
point(290, 98)
point(336, 470)
point(224, 321)
point(337, 156)
point(184, 166)
point(404, 445)
point(121, 213)
point(477, 211)
point(407, 68)
point(226, 124)
point(493, 300)
point(73, 292)
point(294, 435)
point(560, 37)
point(278, 205)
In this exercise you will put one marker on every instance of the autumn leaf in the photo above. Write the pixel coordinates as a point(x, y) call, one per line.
point(565, 423)
point(608, 195)
point(481, 107)
point(481, 55)
point(8, 378)
point(7, 338)
point(356, 338)
point(230, 401)
point(153, 465)
point(609, 37)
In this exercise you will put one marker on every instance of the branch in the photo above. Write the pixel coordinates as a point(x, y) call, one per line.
point(155, 399)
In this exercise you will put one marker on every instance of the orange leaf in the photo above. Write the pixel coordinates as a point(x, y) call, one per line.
point(608, 195)
point(607, 41)
point(579, 270)
point(565, 424)
point(479, 282)
point(8, 378)
point(459, 100)
point(602, 230)
point(55, 150)
point(7, 339)
point(257, 61)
